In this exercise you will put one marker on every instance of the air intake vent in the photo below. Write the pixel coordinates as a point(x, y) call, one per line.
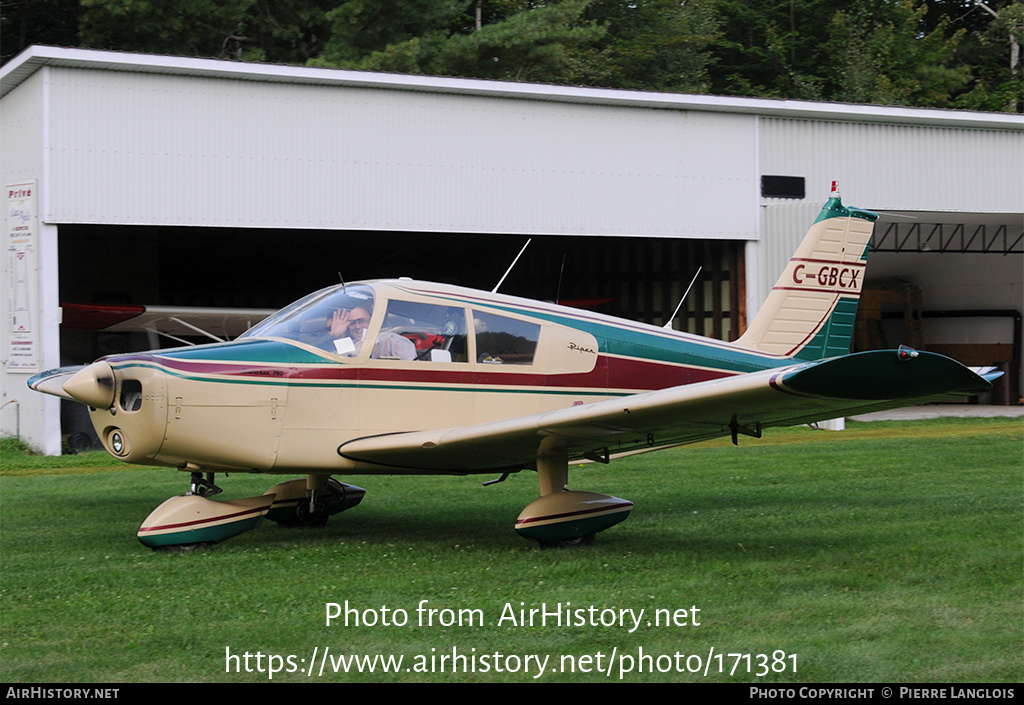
point(782, 187)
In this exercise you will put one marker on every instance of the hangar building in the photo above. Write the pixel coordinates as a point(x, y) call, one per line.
point(136, 179)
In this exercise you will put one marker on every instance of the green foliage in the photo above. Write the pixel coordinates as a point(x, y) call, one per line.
point(360, 28)
point(943, 53)
point(543, 44)
point(891, 62)
point(283, 31)
point(25, 22)
point(11, 448)
point(197, 27)
point(995, 53)
point(771, 48)
point(658, 45)
point(864, 51)
point(286, 31)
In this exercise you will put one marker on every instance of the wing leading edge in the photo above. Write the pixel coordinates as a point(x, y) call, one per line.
point(743, 404)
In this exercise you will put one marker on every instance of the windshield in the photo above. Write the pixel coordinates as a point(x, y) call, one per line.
point(309, 320)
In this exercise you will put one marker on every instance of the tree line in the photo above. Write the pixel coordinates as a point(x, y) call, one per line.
point(942, 53)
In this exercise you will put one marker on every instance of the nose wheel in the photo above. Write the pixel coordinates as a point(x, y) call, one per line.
point(316, 510)
point(578, 542)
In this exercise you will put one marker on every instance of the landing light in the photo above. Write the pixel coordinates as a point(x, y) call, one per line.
point(118, 443)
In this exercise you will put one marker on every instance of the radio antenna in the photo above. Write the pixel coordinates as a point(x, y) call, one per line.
point(495, 289)
point(668, 325)
point(558, 290)
point(343, 284)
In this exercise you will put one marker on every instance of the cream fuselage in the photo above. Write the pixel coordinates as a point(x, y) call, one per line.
point(275, 405)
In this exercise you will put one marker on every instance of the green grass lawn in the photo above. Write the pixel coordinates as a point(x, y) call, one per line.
point(888, 552)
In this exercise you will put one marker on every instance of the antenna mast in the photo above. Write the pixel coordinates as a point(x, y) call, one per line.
point(668, 325)
point(495, 289)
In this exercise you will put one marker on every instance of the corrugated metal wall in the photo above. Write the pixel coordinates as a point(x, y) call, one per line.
point(22, 139)
point(882, 167)
point(905, 167)
point(784, 229)
point(180, 150)
point(21, 132)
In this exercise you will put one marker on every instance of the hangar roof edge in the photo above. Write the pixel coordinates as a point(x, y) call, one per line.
point(20, 68)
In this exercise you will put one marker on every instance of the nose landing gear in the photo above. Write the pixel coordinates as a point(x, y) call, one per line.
point(311, 502)
point(193, 520)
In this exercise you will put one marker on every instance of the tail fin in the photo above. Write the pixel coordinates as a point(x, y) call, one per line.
point(810, 312)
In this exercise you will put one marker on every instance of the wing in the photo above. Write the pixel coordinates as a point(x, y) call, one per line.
point(742, 404)
point(214, 323)
point(52, 381)
point(173, 322)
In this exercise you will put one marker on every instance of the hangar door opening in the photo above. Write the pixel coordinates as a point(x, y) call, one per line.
point(955, 287)
point(641, 279)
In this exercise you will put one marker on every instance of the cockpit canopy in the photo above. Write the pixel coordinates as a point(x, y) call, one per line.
point(308, 319)
point(405, 329)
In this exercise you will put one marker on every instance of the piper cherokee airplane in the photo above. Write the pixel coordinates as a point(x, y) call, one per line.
point(409, 377)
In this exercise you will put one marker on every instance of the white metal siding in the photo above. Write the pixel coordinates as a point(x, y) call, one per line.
point(883, 167)
point(35, 417)
point(899, 167)
point(143, 148)
point(21, 132)
point(784, 228)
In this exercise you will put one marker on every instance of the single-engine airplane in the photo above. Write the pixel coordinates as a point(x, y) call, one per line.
point(458, 381)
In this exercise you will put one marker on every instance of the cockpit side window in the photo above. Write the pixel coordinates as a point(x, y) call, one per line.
point(436, 333)
point(504, 341)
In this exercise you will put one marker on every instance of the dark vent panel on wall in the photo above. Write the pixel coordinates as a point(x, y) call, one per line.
point(782, 187)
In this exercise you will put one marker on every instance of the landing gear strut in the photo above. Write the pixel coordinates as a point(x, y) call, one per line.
point(316, 510)
point(203, 486)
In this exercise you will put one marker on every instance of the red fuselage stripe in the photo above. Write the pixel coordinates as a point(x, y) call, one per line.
point(608, 374)
point(199, 522)
point(582, 512)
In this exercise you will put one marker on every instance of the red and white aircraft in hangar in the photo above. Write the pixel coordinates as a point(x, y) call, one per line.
point(397, 376)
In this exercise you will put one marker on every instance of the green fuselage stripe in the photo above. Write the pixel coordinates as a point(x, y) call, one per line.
point(295, 384)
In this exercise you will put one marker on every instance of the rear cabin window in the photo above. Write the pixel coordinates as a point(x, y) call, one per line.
point(504, 341)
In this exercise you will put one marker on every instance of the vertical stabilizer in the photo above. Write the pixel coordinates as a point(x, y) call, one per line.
point(811, 310)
